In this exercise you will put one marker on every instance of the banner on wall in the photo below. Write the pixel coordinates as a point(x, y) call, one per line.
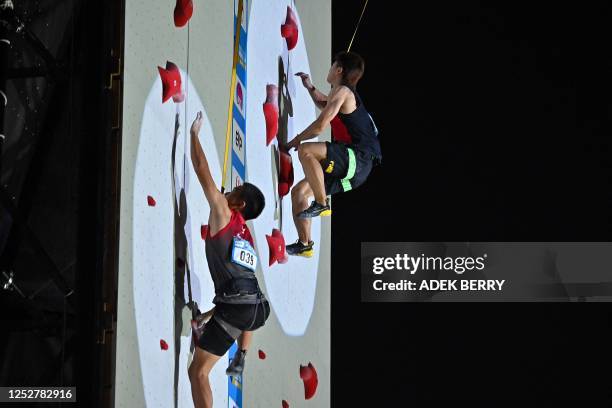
point(239, 109)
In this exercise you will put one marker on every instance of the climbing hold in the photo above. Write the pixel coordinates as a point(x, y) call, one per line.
point(151, 201)
point(262, 355)
point(171, 81)
point(270, 108)
point(204, 231)
point(179, 97)
point(283, 188)
point(276, 233)
point(285, 404)
point(163, 345)
point(276, 246)
point(285, 174)
point(289, 30)
point(311, 380)
point(285, 171)
point(182, 12)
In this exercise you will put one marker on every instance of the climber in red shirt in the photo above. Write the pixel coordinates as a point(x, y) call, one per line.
point(240, 306)
point(342, 164)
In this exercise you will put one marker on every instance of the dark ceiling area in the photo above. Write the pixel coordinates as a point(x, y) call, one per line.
point(58, 185)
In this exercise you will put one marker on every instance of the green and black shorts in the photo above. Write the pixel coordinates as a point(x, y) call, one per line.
point(345, 168)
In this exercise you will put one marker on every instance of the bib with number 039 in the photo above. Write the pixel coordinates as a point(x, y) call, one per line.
point(244, 254)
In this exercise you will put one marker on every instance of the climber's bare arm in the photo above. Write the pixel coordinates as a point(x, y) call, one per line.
point(318, 97)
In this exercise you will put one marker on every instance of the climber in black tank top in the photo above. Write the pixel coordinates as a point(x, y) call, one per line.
point(343, 164)
point(240, 306)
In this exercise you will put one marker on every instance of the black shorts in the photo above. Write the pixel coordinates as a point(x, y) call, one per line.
point(228, 322)
point(336, 166)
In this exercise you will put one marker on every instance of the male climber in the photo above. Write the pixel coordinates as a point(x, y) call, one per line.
point(341, 165)
point(240, 306)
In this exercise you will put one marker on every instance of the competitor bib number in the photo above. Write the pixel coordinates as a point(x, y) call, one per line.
point(243, 254)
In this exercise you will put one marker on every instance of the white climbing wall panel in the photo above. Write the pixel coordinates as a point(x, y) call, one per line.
point(154, 345)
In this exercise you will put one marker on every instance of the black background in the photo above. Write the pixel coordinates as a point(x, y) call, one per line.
point(494, 124)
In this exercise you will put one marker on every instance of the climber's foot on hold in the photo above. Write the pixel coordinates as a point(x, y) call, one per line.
point(301, 249)
point(236, 366)
point(316, 209)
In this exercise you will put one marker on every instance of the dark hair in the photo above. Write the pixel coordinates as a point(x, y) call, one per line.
point(352, 67)
point(254, 199)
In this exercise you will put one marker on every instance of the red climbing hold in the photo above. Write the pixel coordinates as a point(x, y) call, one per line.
point(204, 231)
point(163, 344)
point(285, 174)
point(311, 380)
point(179, 97)
point(276, 233)
point(276, 245)
point(151, 201)
point(182, 12)
point(289, 30)
point(285, 404)
point(262, 355)
point(171, 81)
point(283, 188)
point(270, 108)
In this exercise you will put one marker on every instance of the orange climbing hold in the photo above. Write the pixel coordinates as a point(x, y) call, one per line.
point(276, 246)
point(151, 201)
point(289, 30)
point(182, 12)
point(270, 109)
point(171, 82)
point(311, 380)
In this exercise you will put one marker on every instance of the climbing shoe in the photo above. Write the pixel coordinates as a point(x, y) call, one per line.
point(300, 249)
point(236, 366)
point(316, 210)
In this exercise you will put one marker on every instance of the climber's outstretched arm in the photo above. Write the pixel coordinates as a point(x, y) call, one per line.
point(318, 97)
point(200, 165)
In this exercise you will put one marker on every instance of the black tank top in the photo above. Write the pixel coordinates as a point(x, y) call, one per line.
point(228, 276)
point(360, 126)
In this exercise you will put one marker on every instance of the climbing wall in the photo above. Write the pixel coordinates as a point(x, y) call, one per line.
point(178, 62)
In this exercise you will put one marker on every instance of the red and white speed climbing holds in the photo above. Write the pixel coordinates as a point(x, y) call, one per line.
point(308, 374)
point(151, 201)
point(182, 12)
point(276, 247)
point(171, 83)
point(270, 109)
point(163, 345)
point(289, 30)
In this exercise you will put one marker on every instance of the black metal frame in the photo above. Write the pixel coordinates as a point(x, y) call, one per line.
point(100, 27)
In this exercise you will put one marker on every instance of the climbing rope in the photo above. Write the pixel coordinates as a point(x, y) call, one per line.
point(357, 27)
point(228, 132)
point(192, 305)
